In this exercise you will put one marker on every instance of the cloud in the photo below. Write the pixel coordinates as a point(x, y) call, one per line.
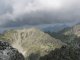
point(27, 6)
point(5, 7)
point(35, 12)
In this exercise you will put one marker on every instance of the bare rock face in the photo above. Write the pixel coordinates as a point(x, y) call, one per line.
point(9, 53)
point(32, 42)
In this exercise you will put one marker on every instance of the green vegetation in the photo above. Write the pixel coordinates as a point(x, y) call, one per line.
point(64, 53)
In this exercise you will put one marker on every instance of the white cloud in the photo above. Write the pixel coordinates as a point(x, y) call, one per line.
point(27, 6)
point(62, 9)
point(22, 6)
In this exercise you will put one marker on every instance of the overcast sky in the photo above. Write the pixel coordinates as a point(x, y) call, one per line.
point(35, 12)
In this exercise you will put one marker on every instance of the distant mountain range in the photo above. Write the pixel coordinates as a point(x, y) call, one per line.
point(45, 27)
point(55, 28)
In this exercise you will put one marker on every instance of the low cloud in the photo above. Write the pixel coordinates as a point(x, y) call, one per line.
point(35, 12)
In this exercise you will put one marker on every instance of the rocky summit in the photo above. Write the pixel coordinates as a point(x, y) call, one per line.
point(32, 42)
point(9, 53)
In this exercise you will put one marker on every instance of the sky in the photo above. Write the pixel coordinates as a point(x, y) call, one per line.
point(16, 13)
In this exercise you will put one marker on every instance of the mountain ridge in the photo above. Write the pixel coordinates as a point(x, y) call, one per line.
point(32, 40)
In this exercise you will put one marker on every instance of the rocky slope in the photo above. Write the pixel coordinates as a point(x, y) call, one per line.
point(31, 42)
point(74, 30)
point(9, 53)
point(71, 36)
point(64, 53)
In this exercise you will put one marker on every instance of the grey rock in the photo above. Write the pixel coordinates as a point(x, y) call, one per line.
point(9, 53)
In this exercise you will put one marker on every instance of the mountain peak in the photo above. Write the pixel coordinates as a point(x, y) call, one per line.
point(32, 40)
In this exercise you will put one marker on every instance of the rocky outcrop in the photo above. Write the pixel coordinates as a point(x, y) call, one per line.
point(9, 53)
